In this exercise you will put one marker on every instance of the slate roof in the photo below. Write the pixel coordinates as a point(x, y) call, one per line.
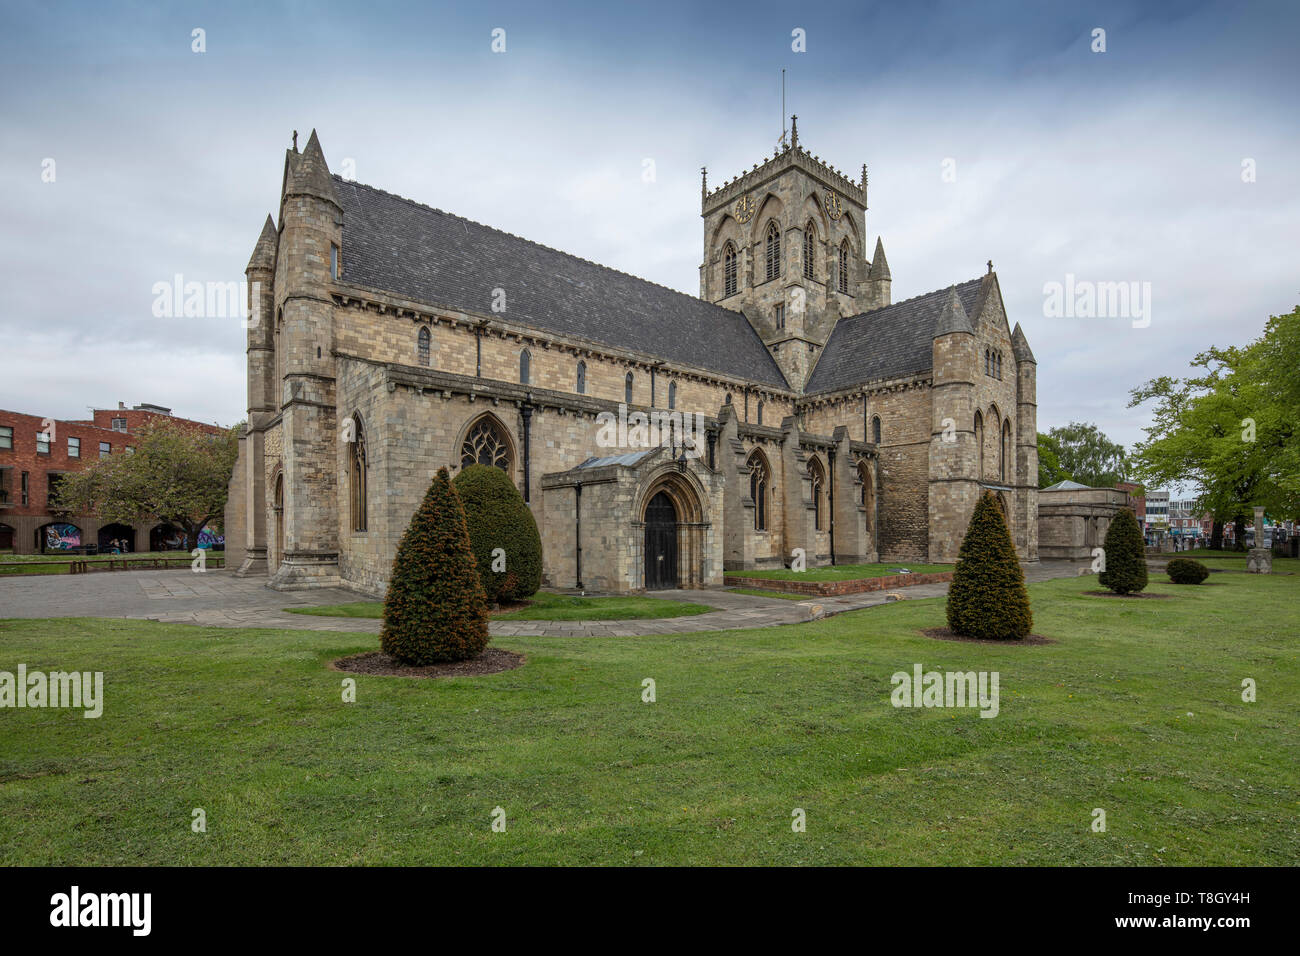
point(1067, 485)
point(886, 343)
point(427, 255)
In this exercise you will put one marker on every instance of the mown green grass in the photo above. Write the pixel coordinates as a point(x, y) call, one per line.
point(544, 606)
point(1232, 560)
point(840, 572)
point(30, 564)
point(1137, 710)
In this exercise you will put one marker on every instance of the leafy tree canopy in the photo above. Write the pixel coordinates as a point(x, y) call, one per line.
point(1085, 454)
point(178, 474)
point(1049, 462)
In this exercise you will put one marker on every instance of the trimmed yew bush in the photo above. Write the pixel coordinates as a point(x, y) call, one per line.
point(435, 609)
point(1186, 571)
point(987, 599)
point(497, 517)
point(1125, 555)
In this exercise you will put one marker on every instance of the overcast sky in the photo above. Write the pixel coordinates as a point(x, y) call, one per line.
point(1123, 165)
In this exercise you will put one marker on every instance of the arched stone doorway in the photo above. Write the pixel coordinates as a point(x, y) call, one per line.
point(673, 533)
point(660, 543)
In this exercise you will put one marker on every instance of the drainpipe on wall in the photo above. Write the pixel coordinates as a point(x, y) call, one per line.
point(830, 455)
point(527, 411)
point(577, 531)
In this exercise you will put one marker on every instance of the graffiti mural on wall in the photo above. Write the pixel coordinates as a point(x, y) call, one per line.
point(62, 537)
point(210, 539)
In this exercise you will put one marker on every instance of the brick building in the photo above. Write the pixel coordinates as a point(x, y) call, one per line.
point(389, 339)
point(35, 452)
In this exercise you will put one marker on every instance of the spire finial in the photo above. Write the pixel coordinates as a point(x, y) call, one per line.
point(295, 141)
point(704, 180)
point(864, 175)
point(990, 267)
point(794, 131)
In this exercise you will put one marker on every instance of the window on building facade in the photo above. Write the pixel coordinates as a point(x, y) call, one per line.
point(809, 249)
point(672, 395)
point(773, 251)
point(844, 267)
point(979, 443)
point(6, 437)
point(864, 476)
point(627, 389)
point(334, 261)
point(486, 444)
point(760, 479)
point(26, 488)
point(760, 411)
point(357, 477)
point(74, 447)
point(780, 315)
point(119, 424)
point(729, 270)
point(105, 449)
point(423, 347)
point(42, 443)
point(582, 378)
point(525, 361)
point(875, 429)
point(1006, 449)
point(818, 477)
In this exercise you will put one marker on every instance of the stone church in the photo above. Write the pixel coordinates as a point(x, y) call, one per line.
point(388, 339)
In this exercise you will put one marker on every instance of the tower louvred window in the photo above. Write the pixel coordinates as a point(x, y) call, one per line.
point(729, 270)
point(809, 249)
point(773, 251)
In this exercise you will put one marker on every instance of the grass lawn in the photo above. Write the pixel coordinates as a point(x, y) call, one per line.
point(28, 564)
point(1137, 710)
point(783, 595)
point(1231, 560)
point(840, 572)
point(544, 606)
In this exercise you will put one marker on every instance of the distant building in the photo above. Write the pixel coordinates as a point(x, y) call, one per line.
point(1157, 511)
point(1073, 519)
point(1137, 500)
point(35, 454)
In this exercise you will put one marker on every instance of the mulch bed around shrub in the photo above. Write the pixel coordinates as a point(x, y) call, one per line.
point(494, 660)
point(1140, 594)
point(946, 634)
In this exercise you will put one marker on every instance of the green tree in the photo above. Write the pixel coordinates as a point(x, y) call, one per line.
point(1125, 555)
point(987, 598)
point(435, 609)
point(1088, 456)
point(1229, 430)
point(503, 533)
point(178, 474)
point(1049, 462)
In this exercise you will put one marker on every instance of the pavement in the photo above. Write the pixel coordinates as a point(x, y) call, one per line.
point(218, 598)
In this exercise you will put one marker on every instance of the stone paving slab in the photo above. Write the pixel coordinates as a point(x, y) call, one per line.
point(222, 600)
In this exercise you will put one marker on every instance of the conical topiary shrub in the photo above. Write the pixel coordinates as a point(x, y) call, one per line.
point(1124, 554)
point(497, 517)
point(435, 609)
point(987, 599)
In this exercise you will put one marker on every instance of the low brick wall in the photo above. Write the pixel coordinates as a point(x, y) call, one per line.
point(836, 588)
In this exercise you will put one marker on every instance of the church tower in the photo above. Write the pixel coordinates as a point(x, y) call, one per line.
point(785, 244)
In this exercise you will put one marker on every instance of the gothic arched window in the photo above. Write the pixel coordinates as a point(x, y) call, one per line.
point(729, 270)
point(979, 442)
point(844, 267)
point(760, 479)
point(582, 378)
point(627, 389)
point(875, 429)
point(486, 444)
point(818, 477)
point(864, 475)
point(672, 395)
point(1006, 447)
point(809, 249)
point(773, 251)
point(760, 411)
point(423, 347)
point(525, 366)
point(357, 476)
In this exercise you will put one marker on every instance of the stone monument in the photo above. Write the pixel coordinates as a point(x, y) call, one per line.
point(1260, 559)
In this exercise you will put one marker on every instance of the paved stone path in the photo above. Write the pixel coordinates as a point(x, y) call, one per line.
point(219, 599)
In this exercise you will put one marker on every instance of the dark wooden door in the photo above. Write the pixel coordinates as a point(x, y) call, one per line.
point(660, 543)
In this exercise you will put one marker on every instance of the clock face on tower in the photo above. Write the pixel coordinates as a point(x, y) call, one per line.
point(744, 209)
point(834, 208)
